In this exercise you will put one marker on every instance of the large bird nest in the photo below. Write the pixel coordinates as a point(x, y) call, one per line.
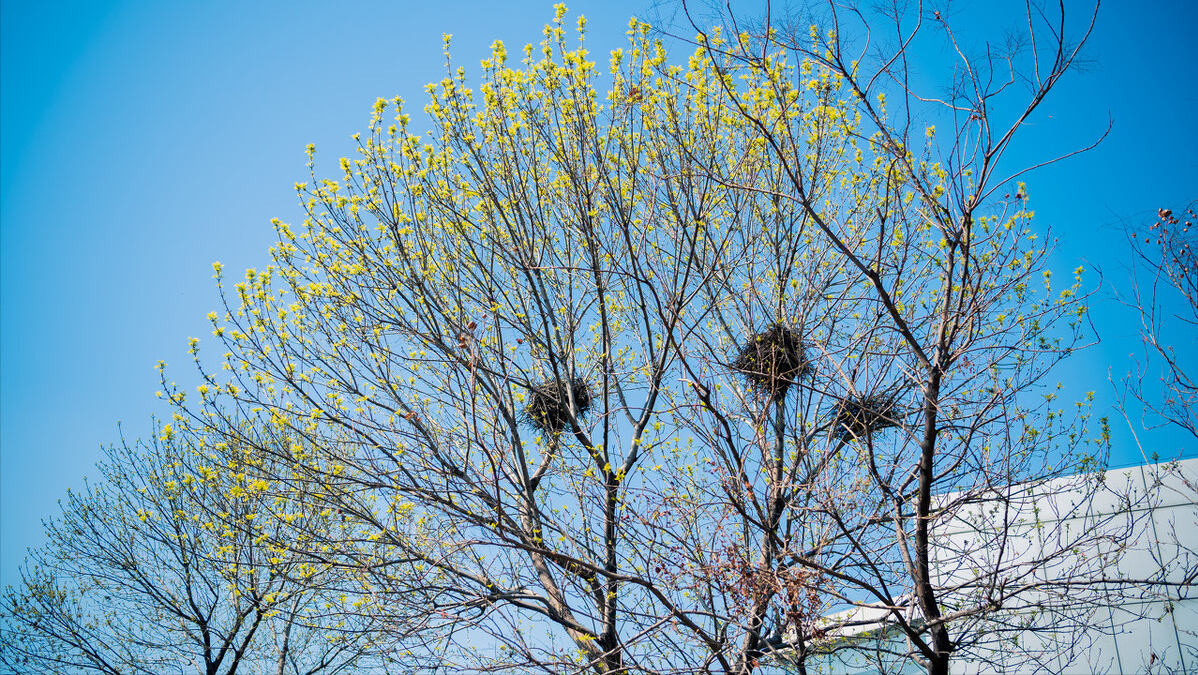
point(862, 415)
point(548, 406)
point(773, 359)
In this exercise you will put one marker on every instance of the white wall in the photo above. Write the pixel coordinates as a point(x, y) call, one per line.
point(1094, 557)
point(1095, 573)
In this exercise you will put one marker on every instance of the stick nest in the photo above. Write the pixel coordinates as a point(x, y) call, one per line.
point(860, 416)
point(773, 359)
point(548, 406)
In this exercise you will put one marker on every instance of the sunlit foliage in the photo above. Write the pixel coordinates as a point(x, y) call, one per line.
point(620, 238)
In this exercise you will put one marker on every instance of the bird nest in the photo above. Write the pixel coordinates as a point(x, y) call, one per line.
point(773, 359)
point(548, 406)
point(861, 416)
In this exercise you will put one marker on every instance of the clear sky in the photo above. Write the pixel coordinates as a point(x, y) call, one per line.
point(140, 141)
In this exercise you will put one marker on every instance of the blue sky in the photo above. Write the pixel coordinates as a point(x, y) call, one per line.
point(141, 141)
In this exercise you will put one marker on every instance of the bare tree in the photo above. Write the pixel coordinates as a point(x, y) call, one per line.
point(1161, 391)
point(655, 378)
point(166, 565)
point(1165, 293)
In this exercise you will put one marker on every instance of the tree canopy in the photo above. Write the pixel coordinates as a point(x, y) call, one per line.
point(670, 369)
point(171, 561)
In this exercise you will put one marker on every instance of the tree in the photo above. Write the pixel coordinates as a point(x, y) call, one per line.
point(165, 565)
point(653, 379)
point(1164, 291)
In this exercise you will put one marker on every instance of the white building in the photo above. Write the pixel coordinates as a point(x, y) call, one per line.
point(1095, 574)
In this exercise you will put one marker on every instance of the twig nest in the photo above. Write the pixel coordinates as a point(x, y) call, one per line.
point(859, 416)
point(773, 359)
point(548, 406)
